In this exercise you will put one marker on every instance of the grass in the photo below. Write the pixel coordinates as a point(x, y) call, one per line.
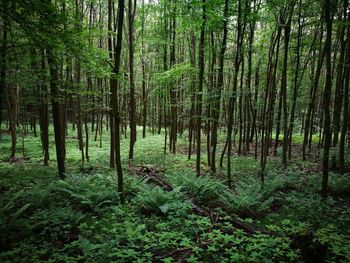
point(81, 219)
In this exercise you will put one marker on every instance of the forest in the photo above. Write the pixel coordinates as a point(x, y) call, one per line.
point(174, 131)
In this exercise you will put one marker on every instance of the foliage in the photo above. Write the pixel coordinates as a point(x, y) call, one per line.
point(81, 219)
point(338, 248)
point(158, 201)
point(174, 74)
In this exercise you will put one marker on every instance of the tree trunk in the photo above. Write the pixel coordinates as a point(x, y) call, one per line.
point(56, 111)
point(296, 81)
point(218, 91)
point(173, 101)
point(192, 93)
point(3, 59)
point(132, 102)
point(312, 96)
point(200, 87)
point(338, 98)
point(346, 110)
point(326, 98)
point(287, 30)
point(144, 96)
point(44, 114)
point(114, 96)
point(112, 85)
point(79, 115)
point(237, 61)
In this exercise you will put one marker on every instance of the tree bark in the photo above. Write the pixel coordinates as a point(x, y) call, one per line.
point(346, 110)
point(326, 98)
point(44, 114)
point(287, 30)
point(56, 111)
point(132, 102)
point(200, 87)
point(218, 90)
point(114, 98)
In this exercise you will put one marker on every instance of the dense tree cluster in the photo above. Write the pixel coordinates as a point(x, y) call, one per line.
point(254, 72)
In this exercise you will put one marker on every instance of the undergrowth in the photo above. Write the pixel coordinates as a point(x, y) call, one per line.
point(81, 219)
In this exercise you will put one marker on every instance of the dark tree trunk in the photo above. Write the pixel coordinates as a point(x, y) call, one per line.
point(132, 102)
point(312, 96)
point(56, 111)
point(44, 112)
point(267, 110)
point(296, 81)
point(218, 90)
point(326, 98)
point(3, 59)
point(200, 87)
point(79, 115)
point(287, 30)
point(346, 110)
point(114, 99)
point(339, 89)
point(237, 61)
point(192, 94)
point(173, 101)
point(144, 95)
point(112, 85)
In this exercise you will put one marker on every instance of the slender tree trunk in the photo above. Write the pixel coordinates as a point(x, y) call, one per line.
point(200, 87)
point(56, 111)
point(3, 58)
point(312, 97)
point(173, 101)
point(165, 68)
point(326, 97)
point(267, 111)
point(192, 93)
point(255, 107)
point(296, 81)
point(284, 84)
point(237, 61)
point(114, 100)
point(112, 85)
point(144, 95)
point(79, 115)
point(132, 103)
point(278, 122)
point(338, 98)
point(346, 110)
point(218, 91)
point(44, 115)
point(241, 111)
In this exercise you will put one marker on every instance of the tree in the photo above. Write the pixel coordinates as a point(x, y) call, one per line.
point(287, 29)
point(218, 91)
point(326, 97)
point(346, 109)
point(200, 87)
point(115, 114)
point(132, 103)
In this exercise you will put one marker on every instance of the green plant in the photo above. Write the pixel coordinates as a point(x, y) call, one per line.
point(89, 192)
point(204, 189)
point(156, 200)
point(338, 244)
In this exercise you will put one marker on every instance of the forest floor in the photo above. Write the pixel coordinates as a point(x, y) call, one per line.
point(170, 214)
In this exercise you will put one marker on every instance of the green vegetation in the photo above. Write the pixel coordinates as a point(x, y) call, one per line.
point(81, 219)
point(174, 131)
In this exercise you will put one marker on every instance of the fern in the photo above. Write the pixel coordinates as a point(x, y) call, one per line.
point(90, 193)
point(204, 189)
point(156, 200)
